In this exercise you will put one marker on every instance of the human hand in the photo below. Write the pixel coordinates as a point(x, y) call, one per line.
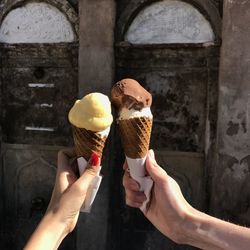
point(70, 191)
point(168, 208)
point(67, 198)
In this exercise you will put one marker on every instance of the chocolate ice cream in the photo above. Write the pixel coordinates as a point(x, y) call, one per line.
point(129, 94)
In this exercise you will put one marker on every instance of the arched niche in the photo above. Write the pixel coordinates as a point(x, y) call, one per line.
point(169, 21)
point(187, 15)
point(38, 22)
point(35, 179)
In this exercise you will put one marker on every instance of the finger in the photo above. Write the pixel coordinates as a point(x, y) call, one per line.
point(64, 157)
point(133, 204)
point(69, 152)
point(157, 173)
point(129, 183)
point(74, 168)
point(94, 160)
point(125, 165)
point(137, 197)
point(82, 184)
point(65, 173)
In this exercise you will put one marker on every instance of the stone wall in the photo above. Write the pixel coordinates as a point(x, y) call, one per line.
point(96, 54)
point(96, 73)
point(183, 79)
point(231, 194)
point(39, 84)
point(39, 87)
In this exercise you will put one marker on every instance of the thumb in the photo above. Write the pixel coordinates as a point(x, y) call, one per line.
point(157, 173)
point(84, 181)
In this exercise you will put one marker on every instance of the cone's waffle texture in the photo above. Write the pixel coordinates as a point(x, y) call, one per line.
point(135, 135)
point(87, 142)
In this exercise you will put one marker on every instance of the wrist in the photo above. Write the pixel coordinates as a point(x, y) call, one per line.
point(185, 227)
point(49, 233)
point(55, 225)
point(200, 231)
point(178, 227)
point(190, 226)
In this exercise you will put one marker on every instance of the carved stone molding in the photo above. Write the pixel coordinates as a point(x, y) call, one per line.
point(206, 7)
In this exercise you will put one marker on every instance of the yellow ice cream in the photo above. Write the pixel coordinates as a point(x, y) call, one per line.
point(92, 112)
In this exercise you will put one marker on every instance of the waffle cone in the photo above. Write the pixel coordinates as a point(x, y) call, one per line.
point(135, 136)
point(86, 142)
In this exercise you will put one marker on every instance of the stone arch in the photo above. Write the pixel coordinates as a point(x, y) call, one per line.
point(60, 22)
point(204, 7)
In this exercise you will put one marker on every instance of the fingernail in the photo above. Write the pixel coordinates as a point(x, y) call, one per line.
point(152, 157)
point(94, 159)
point(151, 153)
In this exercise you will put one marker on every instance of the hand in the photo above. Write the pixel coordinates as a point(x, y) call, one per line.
point(175, 218)
point(67, 198)
point(168, 208)
point(70, 191)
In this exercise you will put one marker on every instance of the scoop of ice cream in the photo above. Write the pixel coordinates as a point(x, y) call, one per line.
point(129, 94)
point(92, 112)
point(132, 113)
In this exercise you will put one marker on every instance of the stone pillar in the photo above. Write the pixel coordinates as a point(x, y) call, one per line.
point(96, 73)
point(231, 175)
point(96, 55)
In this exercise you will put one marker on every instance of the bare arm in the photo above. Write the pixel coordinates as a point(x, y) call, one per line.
point(207, 232)
point(177, 219)
point(68, 196)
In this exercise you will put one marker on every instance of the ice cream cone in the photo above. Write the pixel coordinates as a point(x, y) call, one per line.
point(87, 142)
point(91, 119)
point(135, 123)
point(135, 136)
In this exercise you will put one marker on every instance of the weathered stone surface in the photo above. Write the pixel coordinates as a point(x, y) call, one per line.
point(96, 73)
point(183, 80)
point(39, 87)
point(39, 83)
point(127, 10)
point(96, 60)
point(219, 5)
point(178, 82)
point(63, 5)
point(29, 176)
point(169, 22)
point(36, 23)
point(230, 193)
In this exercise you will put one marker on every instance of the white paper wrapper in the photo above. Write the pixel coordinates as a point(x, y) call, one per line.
point(138, 173)
point(93, 188)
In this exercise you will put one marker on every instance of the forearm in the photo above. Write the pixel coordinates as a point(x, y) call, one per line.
point(207, 232)
point(48, 235)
